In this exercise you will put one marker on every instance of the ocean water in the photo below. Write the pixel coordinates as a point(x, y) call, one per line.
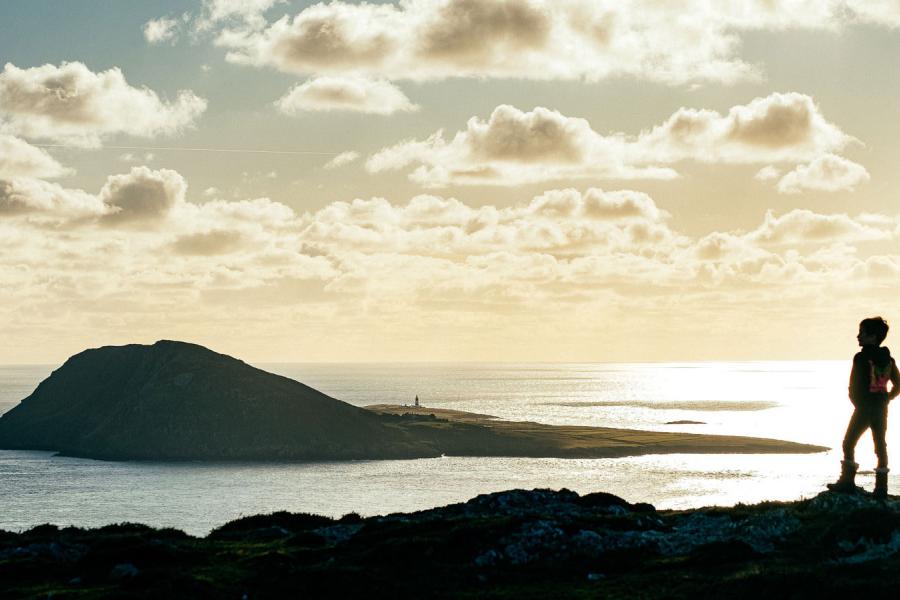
point(798, 401)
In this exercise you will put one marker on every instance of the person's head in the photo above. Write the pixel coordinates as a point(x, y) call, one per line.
point(872, 331)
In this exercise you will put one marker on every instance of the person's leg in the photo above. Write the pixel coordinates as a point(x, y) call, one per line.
point(859, 421)
point(855, 428)
point(879, 436)
point(878, 423)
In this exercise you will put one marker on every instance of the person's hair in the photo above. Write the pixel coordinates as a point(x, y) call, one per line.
point(875, 326)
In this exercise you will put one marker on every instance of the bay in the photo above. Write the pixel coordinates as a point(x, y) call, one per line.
point(797, 401)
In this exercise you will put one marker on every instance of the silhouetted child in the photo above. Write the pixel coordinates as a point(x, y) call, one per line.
point(873, 367)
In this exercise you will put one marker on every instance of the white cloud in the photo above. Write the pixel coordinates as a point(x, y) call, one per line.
point(827, 173)
point(515, 147)
point(671, 42)
point(52, 202)
point(72, 104)
point(353, 94)
point(248, 12)
point(879, 12)
point(131, 157)
point(559, 223)
point(881, 270)
point(779, 127)
point(261, 211)
point(536, 39)
point(564, 260)
point(806, 226)
point(208, 243)
point(164, 29)
point(767, 173)
point(18, 158)
point(344, 158)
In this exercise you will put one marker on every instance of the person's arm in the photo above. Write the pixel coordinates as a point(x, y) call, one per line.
point(853, 387)
point(895, 381)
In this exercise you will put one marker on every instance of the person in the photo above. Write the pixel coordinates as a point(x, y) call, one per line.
point(873, 368)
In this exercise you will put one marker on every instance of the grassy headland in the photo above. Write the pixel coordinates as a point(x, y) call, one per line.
point(470, 434)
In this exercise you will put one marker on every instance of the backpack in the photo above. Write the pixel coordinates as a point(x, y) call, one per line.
point(879, 375)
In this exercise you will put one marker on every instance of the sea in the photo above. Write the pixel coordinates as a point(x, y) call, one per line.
point(798, 401)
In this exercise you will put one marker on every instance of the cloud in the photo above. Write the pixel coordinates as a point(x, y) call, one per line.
point(18, 158)
point(476, 33)
point(157, 31)
point(262, 211)
point(344, 158)
point(131, 157)
point(882, 270)
point(767, 173)
point(878, 12)
point(515, 147)
point(34, 197)
point(248, 12)
point(559, 223)
point(431, 39)
point(208, 243)
point(596, 204)
point(806, 226)
point(674, 43)
point(352, 94)
point(777, 128)
point(71, 104)
point(827, 173)
point(592, 263)
point(142, 196)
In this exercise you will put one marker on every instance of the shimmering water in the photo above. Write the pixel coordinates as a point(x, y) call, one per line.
point(799, 401)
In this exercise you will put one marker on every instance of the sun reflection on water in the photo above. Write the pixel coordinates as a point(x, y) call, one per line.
point(797, 401)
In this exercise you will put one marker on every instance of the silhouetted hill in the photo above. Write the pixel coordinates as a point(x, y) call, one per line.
point(175, 400)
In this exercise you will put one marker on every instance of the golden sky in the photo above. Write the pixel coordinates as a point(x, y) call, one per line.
point(449, 180)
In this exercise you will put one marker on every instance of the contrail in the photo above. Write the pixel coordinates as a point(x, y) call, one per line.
point(223, 150)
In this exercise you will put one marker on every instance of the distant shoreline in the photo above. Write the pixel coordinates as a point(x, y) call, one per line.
point(529, 439)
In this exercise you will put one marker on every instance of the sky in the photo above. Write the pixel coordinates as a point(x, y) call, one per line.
point(449, 180)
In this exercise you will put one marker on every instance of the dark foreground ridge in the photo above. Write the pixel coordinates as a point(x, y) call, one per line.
point(180, 401)
point(515, 544)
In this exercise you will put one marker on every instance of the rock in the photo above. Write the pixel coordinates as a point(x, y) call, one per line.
point(518, 543)
point(123, 571)
point(337, 534)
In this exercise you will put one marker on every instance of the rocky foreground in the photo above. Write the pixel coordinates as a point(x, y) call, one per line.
point(515, 544)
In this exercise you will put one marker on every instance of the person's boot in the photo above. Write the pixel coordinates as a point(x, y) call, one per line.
point(881, 480)
point(846, 484)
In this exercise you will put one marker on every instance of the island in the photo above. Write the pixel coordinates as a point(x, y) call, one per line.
point(179, 401)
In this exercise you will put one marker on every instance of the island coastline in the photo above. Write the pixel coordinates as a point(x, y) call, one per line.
point(527, 438)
